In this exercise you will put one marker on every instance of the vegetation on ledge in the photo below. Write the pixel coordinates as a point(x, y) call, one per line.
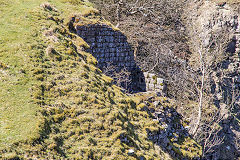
point(54, 102)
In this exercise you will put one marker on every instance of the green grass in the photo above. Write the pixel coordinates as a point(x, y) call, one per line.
point(18, 121)
point(19, 33)
point(17, 114)
point(55, 103)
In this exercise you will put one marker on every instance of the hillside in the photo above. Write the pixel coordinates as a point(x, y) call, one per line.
point(194, 47)
point(57, 104)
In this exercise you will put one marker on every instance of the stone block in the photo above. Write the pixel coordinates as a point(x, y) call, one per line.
point(79, 32)
point(99, 45)
point(151, 87)
point(145, 74)
point(159, 87)
point(107, 39)
point(118, 51)
point(100, 33)
point(131, 53)
point(107, 50)
point(132, 58)
point(88, 50)
point(80, 28)
point(91, 33)
point(112, 50)
point(120, 58)
point(111, 39)
point(99, 39)
point(106, 46)
point(111, 45)
point(112, 54)
point(93, 45)
point(106, 54)
point(160, 81)
point(101, 50)
point(111, 32)
point(97, 50)
point(108, 33)
point(133, 64)
point(122, 53)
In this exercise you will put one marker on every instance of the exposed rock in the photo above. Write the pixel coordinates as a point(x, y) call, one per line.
point(213, 19)
point(130, 152)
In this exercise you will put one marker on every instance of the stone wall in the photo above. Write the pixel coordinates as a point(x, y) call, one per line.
point(154, 83)
point(110, 48)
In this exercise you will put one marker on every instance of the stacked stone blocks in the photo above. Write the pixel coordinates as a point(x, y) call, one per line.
point(154, 83)
point(110, 47)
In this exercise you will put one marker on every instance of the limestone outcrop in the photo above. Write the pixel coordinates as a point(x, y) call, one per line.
point(218, 26)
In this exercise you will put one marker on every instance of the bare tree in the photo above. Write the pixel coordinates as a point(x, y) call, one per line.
point(200, 103)
point(122, 77)
point(157, 34)
point(208, 134)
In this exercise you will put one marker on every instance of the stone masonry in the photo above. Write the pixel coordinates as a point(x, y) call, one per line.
point(110, 48)
point(154, 83)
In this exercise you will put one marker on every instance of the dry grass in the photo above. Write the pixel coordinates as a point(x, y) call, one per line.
point(59, 105)
point(227, 1)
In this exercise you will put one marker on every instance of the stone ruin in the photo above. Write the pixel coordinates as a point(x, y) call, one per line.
point(111, 49)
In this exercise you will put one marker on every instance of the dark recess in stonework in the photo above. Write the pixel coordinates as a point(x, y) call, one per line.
point(231, 48)
point(111, 49)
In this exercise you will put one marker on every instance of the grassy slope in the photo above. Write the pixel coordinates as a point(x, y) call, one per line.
point(82, 115)
point(18, 30)
point(17, 116)
point(55, 103)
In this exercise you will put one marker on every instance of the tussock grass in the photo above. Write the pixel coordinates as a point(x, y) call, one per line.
point(20, 32)
point(54, 102)
point(53, 98)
